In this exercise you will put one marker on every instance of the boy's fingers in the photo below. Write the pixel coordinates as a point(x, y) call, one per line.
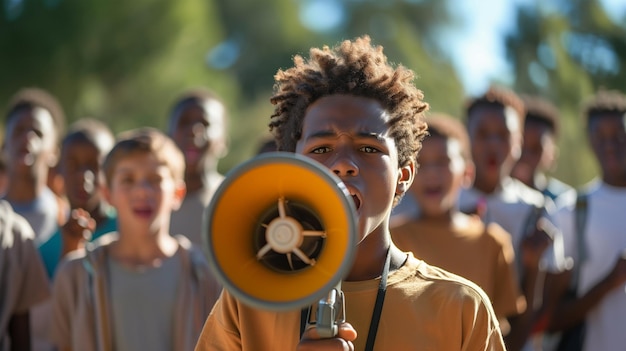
point(347, 332)
point(343, 341)
point(334, 344)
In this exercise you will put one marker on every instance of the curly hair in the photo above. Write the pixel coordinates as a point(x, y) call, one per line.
point(354, 68)
point(611, 102)
point(447, 127)
point(543, 111)
point(28, 98)
point(500, 97)
point(197, 95)
point(92, 131)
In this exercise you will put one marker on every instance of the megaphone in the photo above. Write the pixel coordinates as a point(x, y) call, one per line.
point(281, 232)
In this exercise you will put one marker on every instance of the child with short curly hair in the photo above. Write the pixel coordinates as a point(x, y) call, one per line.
point(349, 109)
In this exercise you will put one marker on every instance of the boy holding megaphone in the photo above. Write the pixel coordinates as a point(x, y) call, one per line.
point(348, 109)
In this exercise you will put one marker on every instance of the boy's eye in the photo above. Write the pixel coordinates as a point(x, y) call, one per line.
point(126, 180)
point(369, 149)
point(321, 150)
point(155, 180)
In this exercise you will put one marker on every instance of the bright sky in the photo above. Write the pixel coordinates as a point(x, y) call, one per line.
point(478, 53)
point(478, 50)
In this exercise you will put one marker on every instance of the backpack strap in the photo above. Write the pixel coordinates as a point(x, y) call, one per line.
point(581, 249)
point(531, 220)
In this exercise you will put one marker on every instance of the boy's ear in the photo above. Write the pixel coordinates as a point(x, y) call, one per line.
point(405, 177)
point(179, 194)
point(53, 158)
point(222, 148)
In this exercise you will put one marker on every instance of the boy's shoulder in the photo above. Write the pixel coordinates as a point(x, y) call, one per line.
point(492, 234)
point(193, 256)
point(514, 190)
point(88, 259)
point(92, 259)
point(439, 280)
point(14, 228)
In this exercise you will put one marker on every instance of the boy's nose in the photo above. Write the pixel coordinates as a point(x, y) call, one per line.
point(343, 165)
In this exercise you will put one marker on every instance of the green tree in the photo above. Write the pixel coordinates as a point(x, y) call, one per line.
point(566, 56)
point(121, 61)
point(124, 61)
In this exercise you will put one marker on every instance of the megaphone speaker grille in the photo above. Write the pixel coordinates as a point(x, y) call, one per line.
point(282, 257)
point(281, 231)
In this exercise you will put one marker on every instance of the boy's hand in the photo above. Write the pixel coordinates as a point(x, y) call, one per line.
point(77, 230)
point(534, 245)
point(343, 341)
point(617, 277)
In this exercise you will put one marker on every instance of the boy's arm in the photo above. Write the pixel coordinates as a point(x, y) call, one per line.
point(569, 312)
point(532, 250)
point(63, 300)
point(19, 331)
point(77, 231)
point(34, 282)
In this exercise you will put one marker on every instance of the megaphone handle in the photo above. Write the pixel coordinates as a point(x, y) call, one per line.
point(330, 312)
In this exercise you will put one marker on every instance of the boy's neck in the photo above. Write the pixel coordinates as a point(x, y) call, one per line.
point(370, 258)
point(24, 189)
point(146, 250)
point(444, 217)
point(487, 187)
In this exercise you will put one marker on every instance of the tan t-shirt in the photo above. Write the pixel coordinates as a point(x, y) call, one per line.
point(425, 308)
point(188, 220)
point(483, 255)
point(23, 279)
point(82, 306)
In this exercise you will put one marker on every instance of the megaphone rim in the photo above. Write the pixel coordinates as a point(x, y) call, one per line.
point(309, 164)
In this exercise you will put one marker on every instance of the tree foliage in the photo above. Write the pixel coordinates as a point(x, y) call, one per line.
point(124, 61)
point(566, 56)
point(118, 60)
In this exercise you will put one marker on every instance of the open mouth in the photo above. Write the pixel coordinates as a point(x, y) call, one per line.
point(432, 191)
point(357, 201)
point(143, 212)
point(492, 161)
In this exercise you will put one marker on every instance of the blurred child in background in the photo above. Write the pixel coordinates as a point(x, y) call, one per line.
point(594, 233)
point(139, 288)
point(447, 238)
point(197, 124)
point(23, 281)
point(83, 149)
point(495, 123)
point(34, 124)
point(540, 148)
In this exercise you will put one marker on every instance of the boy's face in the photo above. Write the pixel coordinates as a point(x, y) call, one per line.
point(607, 134)
point(495, 142)
point(30, 140)
point(350, 136)
point(198, 130)
point(144, 193)
point(80, 167)
point(538, 151)
point(441, 173)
